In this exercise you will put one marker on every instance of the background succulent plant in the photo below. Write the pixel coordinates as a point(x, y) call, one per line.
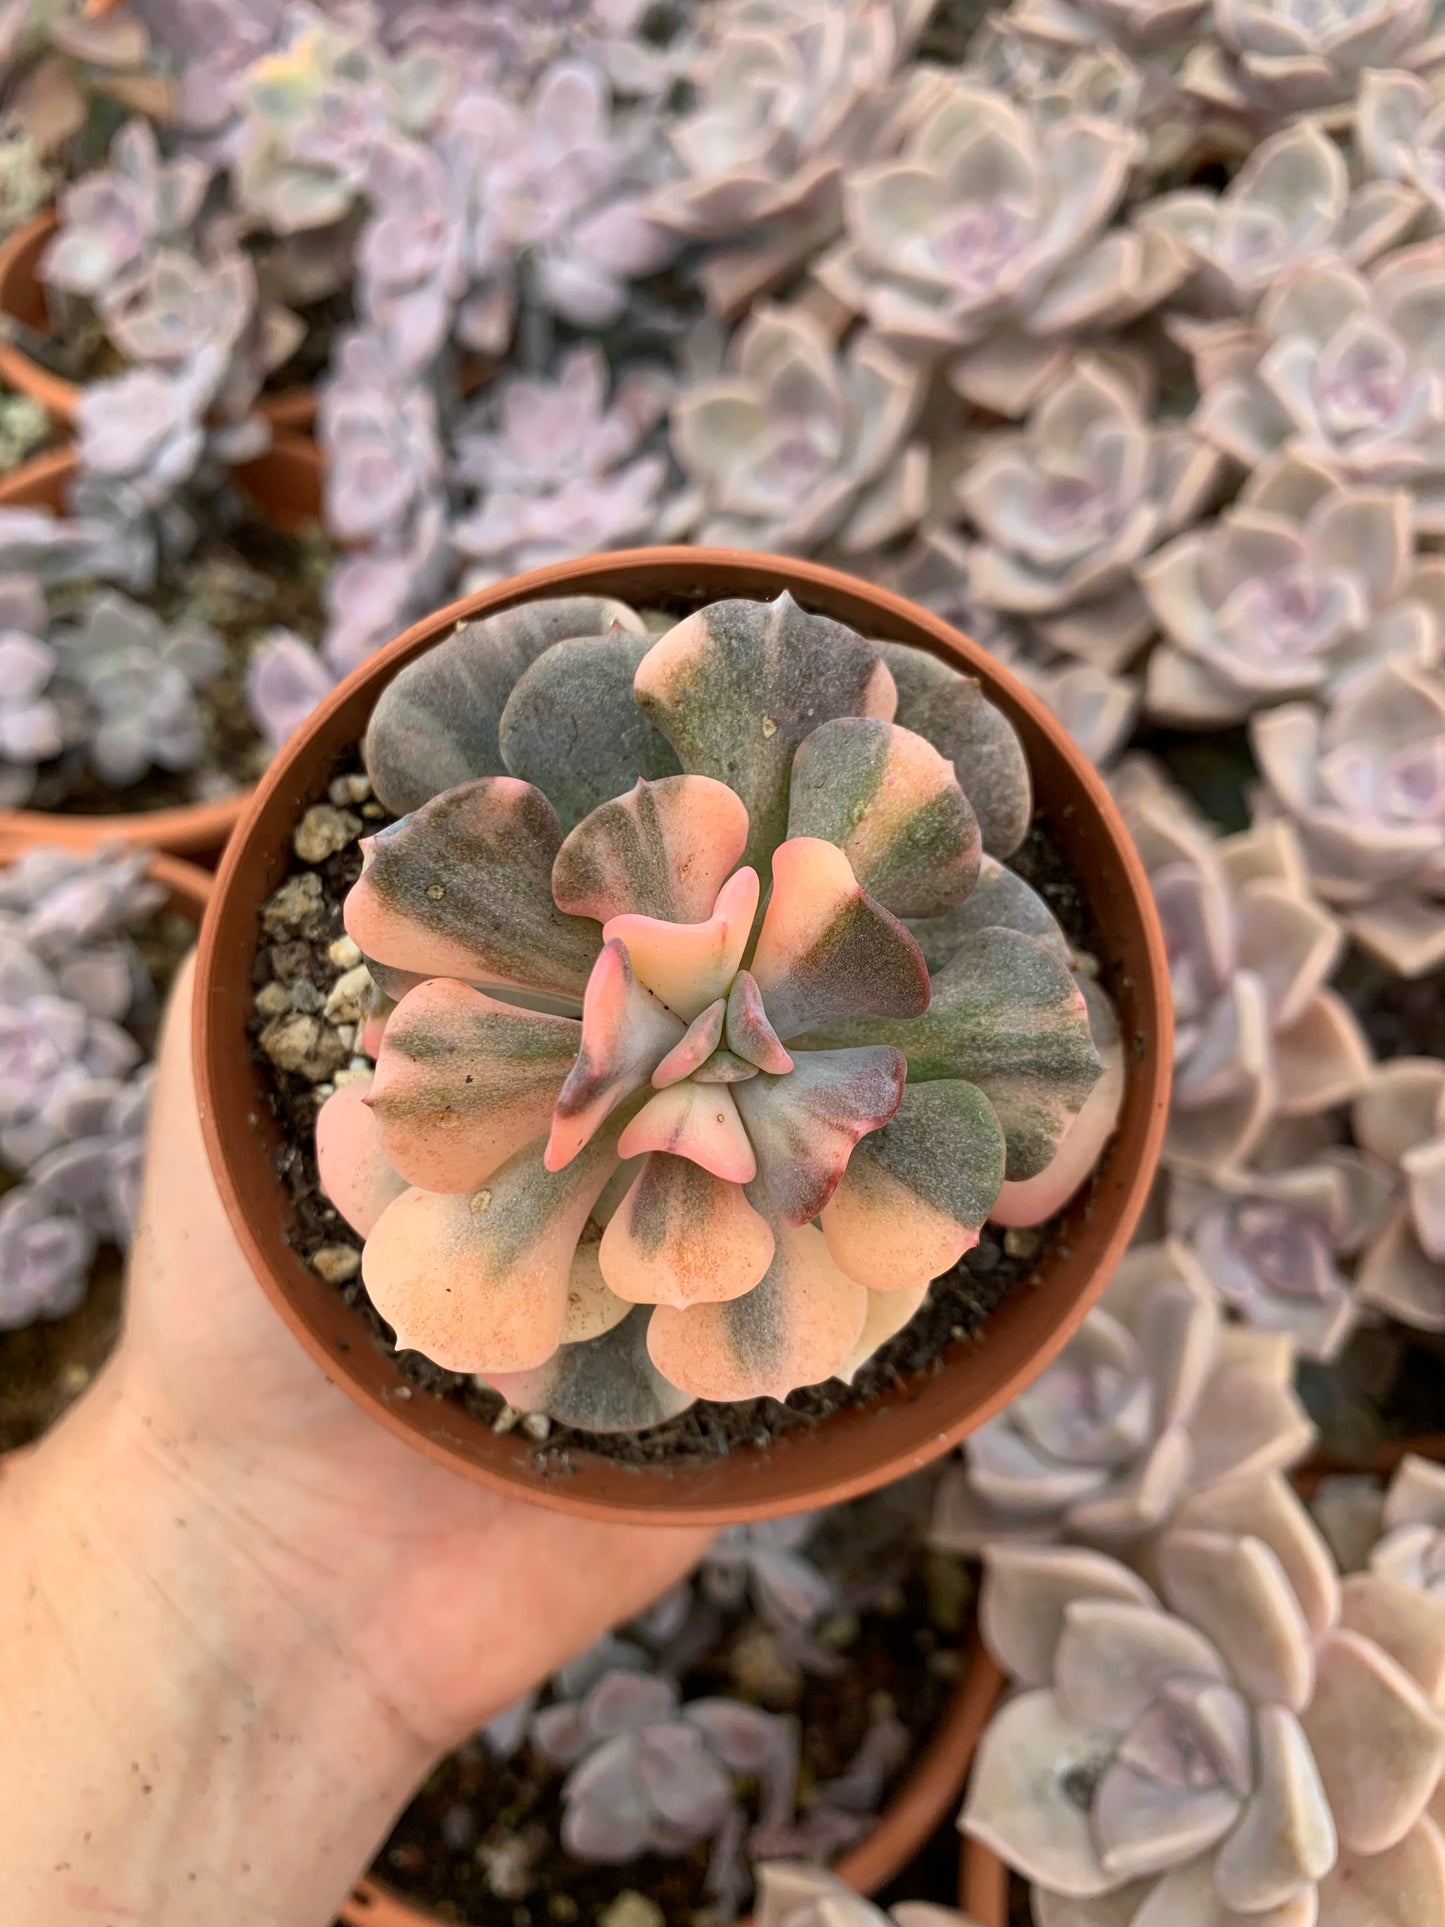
point(744, 1090)
point(1400, 1119)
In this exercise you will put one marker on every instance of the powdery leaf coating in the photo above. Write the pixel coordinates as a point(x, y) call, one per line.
point(736, 687)
point(355, 1172)
point(683, 1236)
point(571, 726)
point(951, 711)
point(608, 1385)
point(462, 888)
point(462, 1082)
point(626, 1034)
point(894, 807)
point(1000, 900)
point(750, 1034)
point(664, 849)
point(435, 724)
point(803, 1126)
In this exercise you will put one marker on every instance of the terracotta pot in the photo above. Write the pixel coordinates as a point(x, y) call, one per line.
point(22, 299)
point(286, 484)
point(925, 1799)
point(855, 1450)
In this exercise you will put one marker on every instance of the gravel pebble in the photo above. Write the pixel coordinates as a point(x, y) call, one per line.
point(323, 831)
point(631, 1909)
point(304, 996)
point(345, 953)
point(350, 789)
point(304, 1045)
point(350, 996)
point(337, 1264)
point(297, 909)
point(355, 1074)
point(537, 1426)
point(1020, 1242)
point(272, 999)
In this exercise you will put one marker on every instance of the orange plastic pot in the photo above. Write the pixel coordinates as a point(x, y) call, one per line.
point(285, 484)
point(22, 300)
point(925, 1799)
point(852, 1451)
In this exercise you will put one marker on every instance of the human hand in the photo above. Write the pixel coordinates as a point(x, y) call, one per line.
point(217, 1511)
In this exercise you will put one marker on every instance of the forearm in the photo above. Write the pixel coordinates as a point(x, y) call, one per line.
point(178, 1743)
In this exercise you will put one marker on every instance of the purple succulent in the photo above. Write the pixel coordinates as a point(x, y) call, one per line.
point(372, 595)
point(61, 903)
point(1274, 59)
point(410, 261)
point(1400, 136)
point(285, 680)
point(32, 727)
point(45, 1255)
point(768, 1564)
point(378, 426)
point(211, 46)
point(52, 1053)
point(96, 1172)
point(146, 430)
point(1400, 1120)
point(111, 220)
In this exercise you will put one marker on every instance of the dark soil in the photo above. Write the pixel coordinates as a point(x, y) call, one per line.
point(479, 1844)
point(245, 578)
point(955, 1311)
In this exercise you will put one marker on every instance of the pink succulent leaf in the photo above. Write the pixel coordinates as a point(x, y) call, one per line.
point(1392, 1889)
point(803, 1126)
point(999, 900)
point(1280, 63)
point(684, 1236)
point(571, 725)
point(737, 686)
point(462, 1082)
point(478, 1281)
point(1402, 1108)
point(626, 1033)
point(1027, 1592)
point(1034, 1200)
point(916, 1191)
point(435, 724)
point(1269, 1511)
point(1403, 1620)
point(690, 965)
point(951, 712)
point(1008, 1016)
point(827, 951)
point(1236, 1591)
point(795, 1327)
point(1020, 1800)
point(664, 850)
point(893, 806)
point(462, 888)
point(1116, 1657)
point(606, 1385)
point(354, 1170)
point(750, 1034)
point(701, 1039)
point(724, 1067)
point(696, 1121)
point(1366, 1704)
point(1286, 1839)
point(592, 1307)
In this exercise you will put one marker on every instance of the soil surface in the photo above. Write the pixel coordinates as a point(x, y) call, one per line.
point(245, 578)
point(300, 965)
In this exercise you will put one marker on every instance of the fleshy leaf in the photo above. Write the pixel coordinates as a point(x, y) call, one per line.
point(702, 1038)
point(1035, 1200)
point(888, 1312)
point(796, 1327)
point(1286, 1838)
point(626, 1033)
point(951, 711)
point(750, 1034)
point(1235, 1590)
point(354, 1171)
point(592, 1306)
point(894, 808)
point(1000, 900)
point(826, 950)
point(737, 686)
point(463, 888)
point(435, 724)
point(916, 1192)
point(664, 849)
point(609, 1385)
point(478, 1280)
point(690, 965)
point(683, 1237)
point(1027, 1592)
point(1021, 1801)
point(1008, 1016)
point(1402, 1888)
point(572, 726)
point(724, 1067)
point(804, 1126)
point(697, 1121)
point(1366, 1710)
point(463, 1081)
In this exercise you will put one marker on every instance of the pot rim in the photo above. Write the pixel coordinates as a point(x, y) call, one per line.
point(904, 1826)
point(292, 408)
point(757, 1482)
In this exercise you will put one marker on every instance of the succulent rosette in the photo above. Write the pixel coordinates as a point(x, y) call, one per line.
point(668, 1106)
point(1400, 1119)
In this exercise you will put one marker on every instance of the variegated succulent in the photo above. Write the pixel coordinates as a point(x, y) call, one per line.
point(1258, 1032)
point(1363, 783)
point(1301, 588)
point(1258, 1740)
point(984, 242)
point(1342, 365)
point(809, 1130)
point(795, 444)
point(1155, 1398)
point(1069, 507)
point(1400, 1119)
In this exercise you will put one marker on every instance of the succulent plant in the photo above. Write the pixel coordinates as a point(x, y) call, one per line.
point(491, 42)
point(372, 594)
point(768, 1563)
point(985, 243)
point(1363, 783)
point(32, 727)
point(1400, 134)
point(1400, 1119)
point(560, 470)
point(1291, 202)
point(145, 431)
point(757, 731)
point(1410, 1550)
point(1271, 61)
point(57, 60)
point(792, 1894)
point(52, 1054)
point(1301, 588)
point(1154, 1399)
point(1069, 507)
point(285, 679)
point(796, 445)
point(1256, 1740)
point(787, 95)
point(1258, 1032)
point(111, 220)
point(378, 427)
point(45, 1258)
point(1277, 1240)
point(410, 258)
point(24, 425)
point(138, 680)
point(210, 47)
point(105, 537)
point(1343, 367)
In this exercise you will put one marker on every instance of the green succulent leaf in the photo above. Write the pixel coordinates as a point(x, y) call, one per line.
point(1000, 900)
point(607, 1385)
point(951, 711)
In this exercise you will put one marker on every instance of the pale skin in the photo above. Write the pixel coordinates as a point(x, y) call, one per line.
point(239, 1621)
